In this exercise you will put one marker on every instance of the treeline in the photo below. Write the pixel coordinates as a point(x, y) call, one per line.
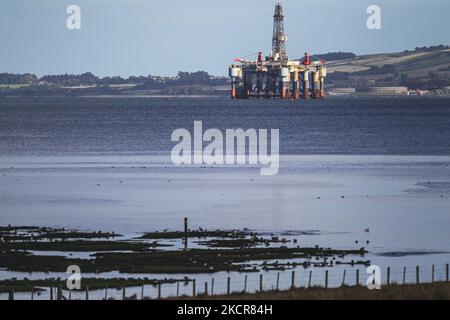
point(331, 56)
point(85, 79)
point(431, 48)
point(12, 78)
point(199, 78)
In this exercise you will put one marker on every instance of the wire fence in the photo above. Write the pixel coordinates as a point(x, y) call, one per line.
point(227, 284)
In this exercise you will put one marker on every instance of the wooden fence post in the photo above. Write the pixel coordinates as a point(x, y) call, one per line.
point(59, 293)
point(326, 279)
point(357, 277)
point(404, 275)
point(185, 232)
point(293, 280)
point(278, 281)
point(310, 279)
point(228, 285)
point(245, 284)
point(446, 272)
point(388, 281)
point(193, 288)
point(417, 275)
point(212, 286)
point(343, 277)
point(432, 273)
point(11, 295)
point(261, 283)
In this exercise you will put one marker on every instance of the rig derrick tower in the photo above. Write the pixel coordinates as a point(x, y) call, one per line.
point(279, 37)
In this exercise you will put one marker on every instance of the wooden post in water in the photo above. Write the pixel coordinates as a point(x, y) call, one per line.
point(51, 293)
point(185, 232)
point(446, 272)
point(326, 279)
point(70, 295)
point(106, 292)
point(124, 292)
point(228, 285)
point(159, 289)
point(193, 288)
point(142, 292)
point(261, 283)
point(206, 288)
point(278, 281)
point(32, 293)
point(293, 280)
point(59, 293)
point(388, 279)
point(87, 292)
point(310, 279)
point(212, 286)
point(404, 275)
point(357, 277)
point(432, 273)
point(178, 288)
point(11, 295)
point(417, 275)
point(245, 284)
point(343, 277)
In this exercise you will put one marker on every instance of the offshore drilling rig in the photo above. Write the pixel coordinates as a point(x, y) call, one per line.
point(276, 76)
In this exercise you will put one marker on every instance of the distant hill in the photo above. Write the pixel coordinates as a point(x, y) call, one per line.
point(422, 68)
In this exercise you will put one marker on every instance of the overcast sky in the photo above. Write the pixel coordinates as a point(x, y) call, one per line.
point(141, 37)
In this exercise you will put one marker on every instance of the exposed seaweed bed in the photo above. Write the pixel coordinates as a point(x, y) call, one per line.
point(26, 285)
point(149, 253)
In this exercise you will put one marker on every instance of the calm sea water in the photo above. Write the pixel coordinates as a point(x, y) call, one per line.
point(388, 126)
point(346, 165)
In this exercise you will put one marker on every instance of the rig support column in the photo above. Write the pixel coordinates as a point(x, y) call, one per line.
point(316, 83)
point(236, 75)
point(321, 91)
point(248, 85)
point(322, 74)
point(270, 88)
point(295, 95)
point(259, 84)
point(305, 85)
point(233, 88)
point(285, 83)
